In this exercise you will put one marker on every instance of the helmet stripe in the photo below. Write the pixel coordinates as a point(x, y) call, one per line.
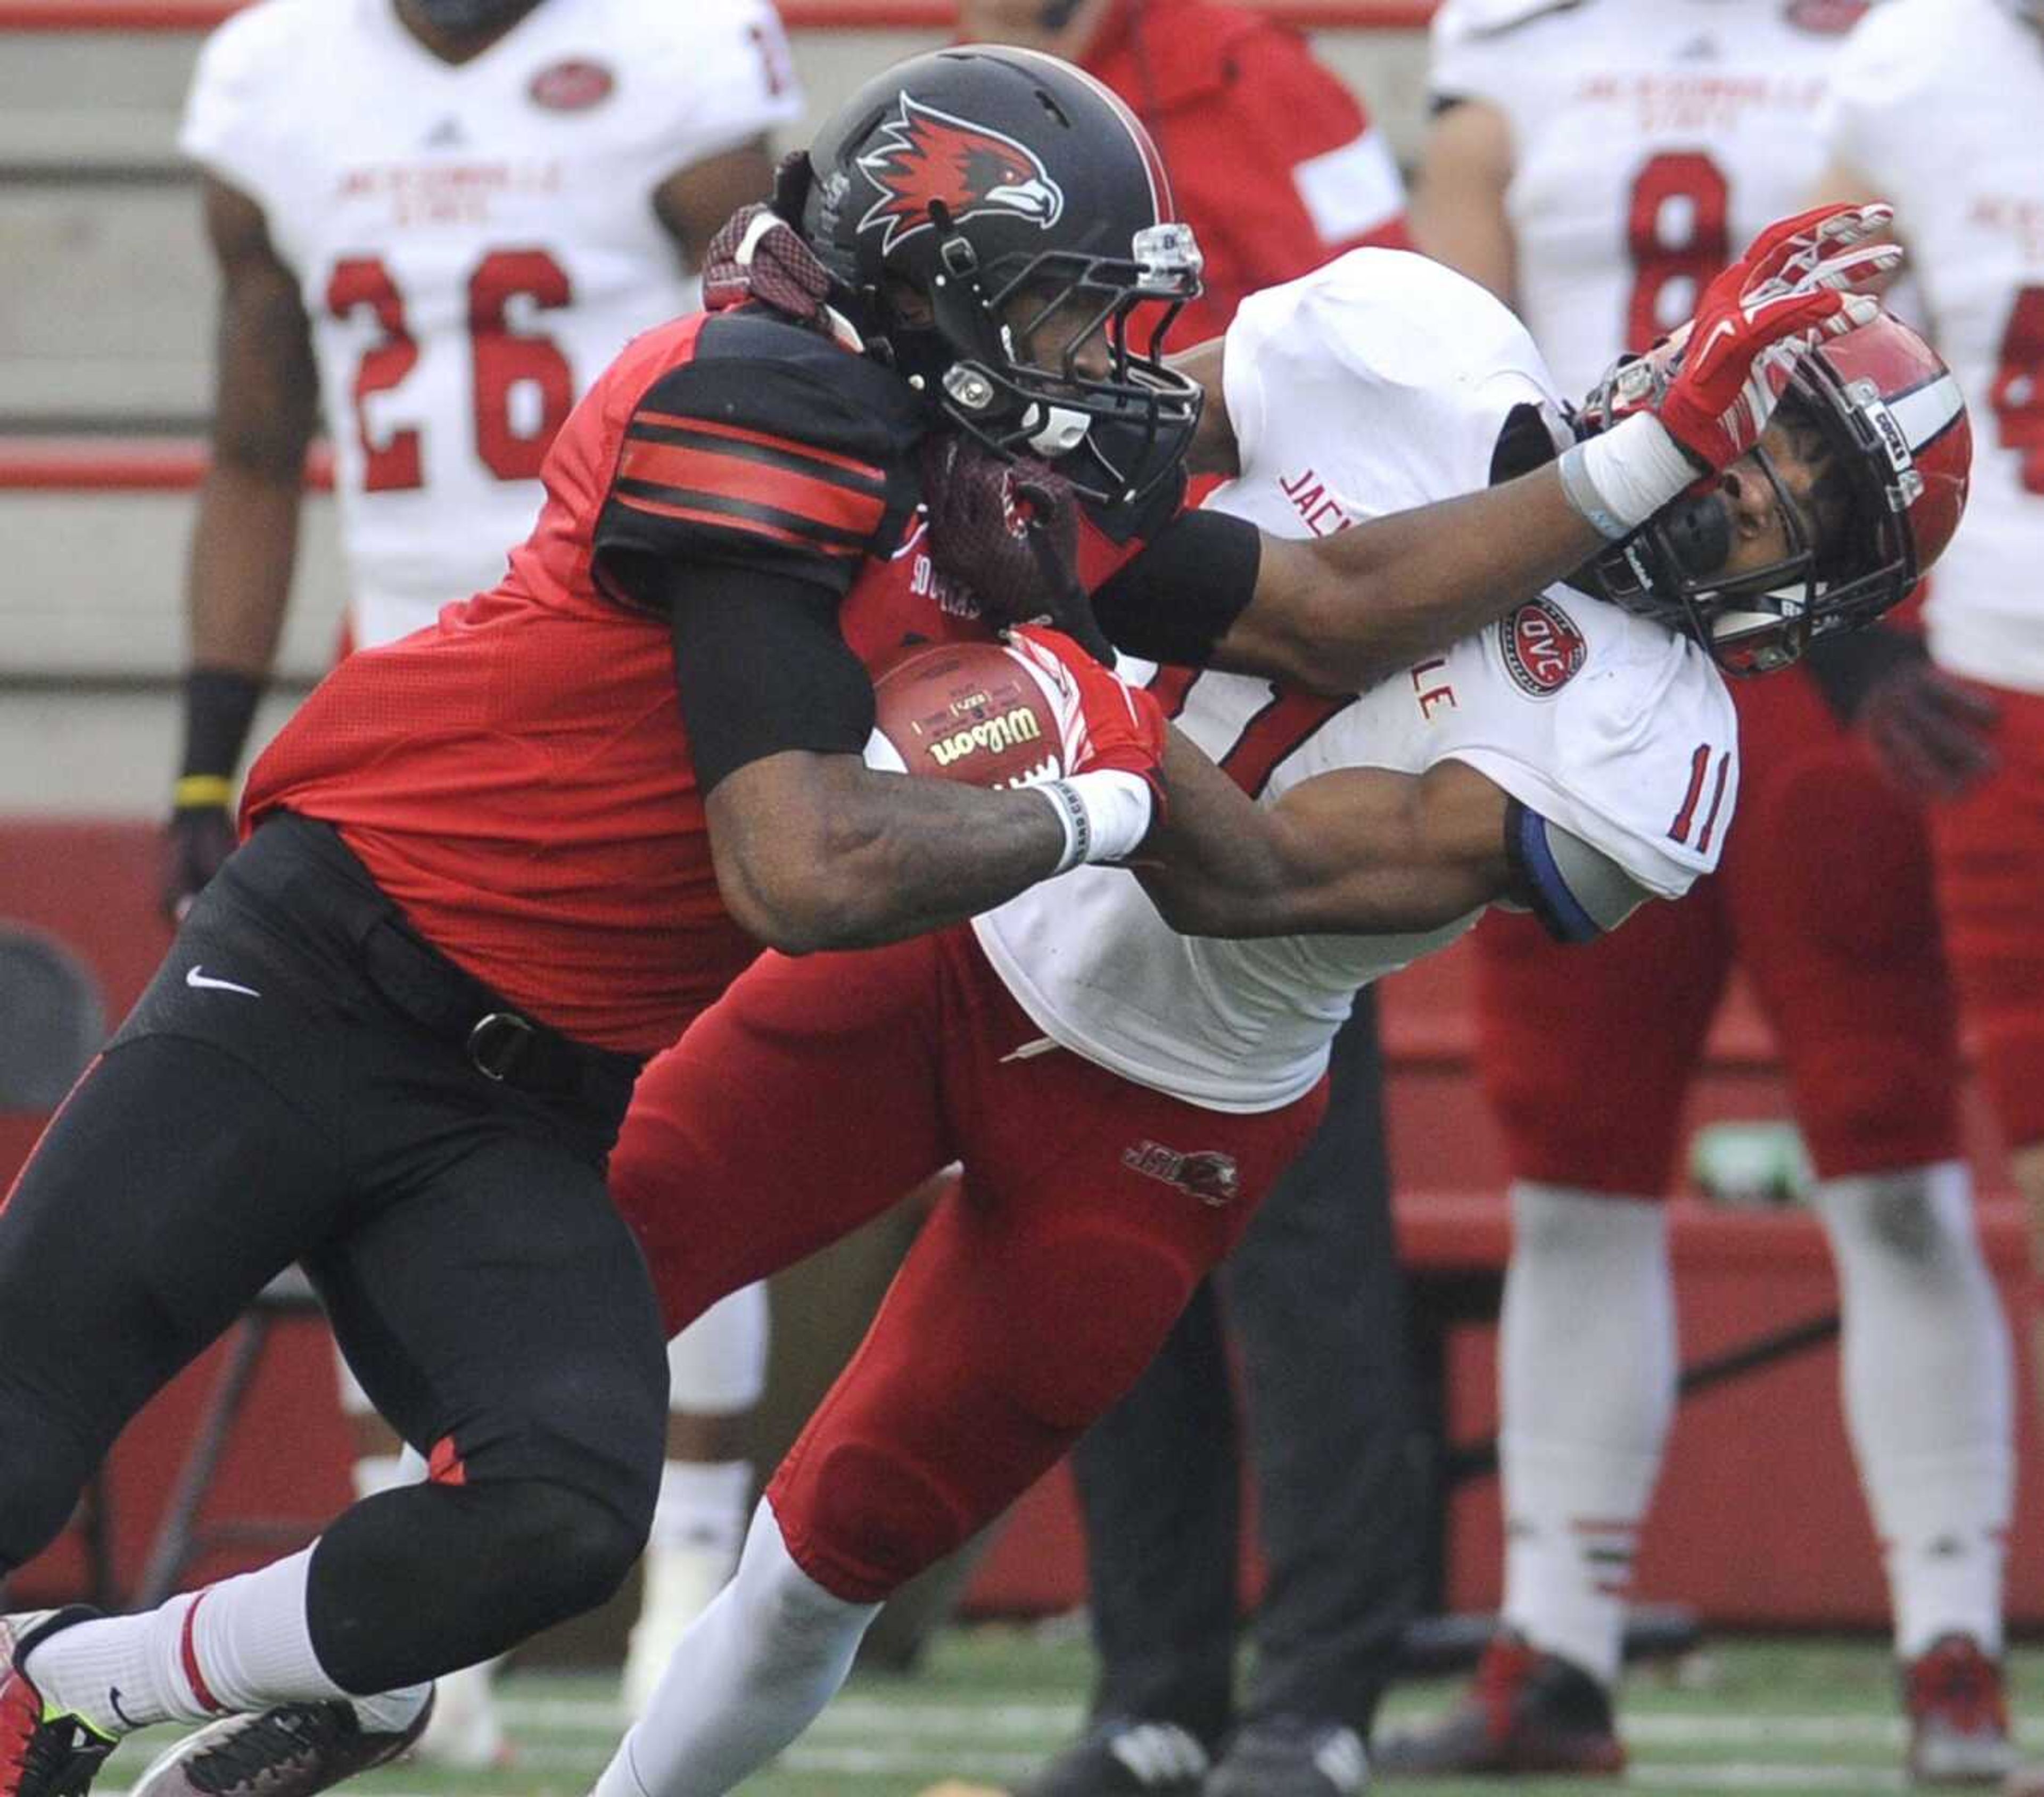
point(1928, 411)
point(1161, 202)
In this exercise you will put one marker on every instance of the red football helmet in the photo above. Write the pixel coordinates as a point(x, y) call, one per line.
point(1891, 413)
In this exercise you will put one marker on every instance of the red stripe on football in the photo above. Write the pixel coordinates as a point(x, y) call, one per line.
point(968, 711)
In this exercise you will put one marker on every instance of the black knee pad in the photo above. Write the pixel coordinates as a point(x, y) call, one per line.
point(420, 1581)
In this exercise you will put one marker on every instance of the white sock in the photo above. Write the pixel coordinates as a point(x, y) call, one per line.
point(1927, 1386)
point(242, 1644)
point(717, 1365)
point(756, 1668)
point(1587, 1371)
point(702, 1506)
point(698, 1526)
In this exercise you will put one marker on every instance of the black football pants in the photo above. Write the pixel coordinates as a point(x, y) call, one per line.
point(297, 1084)
point(1314, 1301)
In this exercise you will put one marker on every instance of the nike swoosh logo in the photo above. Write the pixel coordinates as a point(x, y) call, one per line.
point(198, 981)
point(114, 1703)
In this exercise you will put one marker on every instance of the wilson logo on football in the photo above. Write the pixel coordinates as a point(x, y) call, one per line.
point(996, 735)
point(926, 156)
point(571, 86)
point(1542, 648)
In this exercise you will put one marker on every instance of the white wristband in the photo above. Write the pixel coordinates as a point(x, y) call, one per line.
point(1106, 815)
point(1620, 477)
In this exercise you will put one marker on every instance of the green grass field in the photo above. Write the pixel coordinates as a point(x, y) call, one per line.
point(1795, 1719)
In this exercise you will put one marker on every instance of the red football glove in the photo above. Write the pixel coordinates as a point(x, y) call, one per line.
point(1102, 720)
point(1930, 731)
point(1714, 385)
point(1107, 731)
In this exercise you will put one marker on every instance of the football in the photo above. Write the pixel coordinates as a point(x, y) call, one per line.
point(968, 711)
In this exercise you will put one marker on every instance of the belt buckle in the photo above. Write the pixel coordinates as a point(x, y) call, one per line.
point(498, 1043)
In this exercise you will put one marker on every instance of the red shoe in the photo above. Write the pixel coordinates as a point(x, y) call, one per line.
point(43, 1752)
point(1958, 1715)
point(1527, 1712)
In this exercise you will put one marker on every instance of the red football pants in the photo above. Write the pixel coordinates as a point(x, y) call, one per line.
point(814, 1094)
point(1824, 896)
point(1990, 851)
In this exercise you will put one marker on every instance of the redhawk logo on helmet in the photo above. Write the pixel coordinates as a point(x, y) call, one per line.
point(926, 156)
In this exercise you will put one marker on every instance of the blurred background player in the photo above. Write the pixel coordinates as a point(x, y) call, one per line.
point(1970, 195)
point(435, 221)
point(1593, 164)
point(1277, 168)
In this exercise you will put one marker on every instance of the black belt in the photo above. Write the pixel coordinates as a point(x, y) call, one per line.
point(501, 1042)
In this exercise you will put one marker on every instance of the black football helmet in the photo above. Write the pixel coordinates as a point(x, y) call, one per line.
point(1892, 419)
point(968, 197)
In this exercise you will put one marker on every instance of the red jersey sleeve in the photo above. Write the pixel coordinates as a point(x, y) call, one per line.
point(1283, 171)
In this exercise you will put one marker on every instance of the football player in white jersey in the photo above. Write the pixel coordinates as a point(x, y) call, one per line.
point(435, 221)
point(1970, 192)
point(1591, 164)
point(1121, 1094)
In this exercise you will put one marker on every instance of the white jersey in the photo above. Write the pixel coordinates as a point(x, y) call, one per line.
point(473, 244)
point(1651, 141)
point(1379, 383)
point(1940, 104)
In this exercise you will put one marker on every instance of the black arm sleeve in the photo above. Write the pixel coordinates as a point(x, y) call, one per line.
point(760, 664)
point(1178, 598)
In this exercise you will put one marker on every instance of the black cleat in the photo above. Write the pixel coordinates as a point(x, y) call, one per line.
point(44, 1751)
point(291, 1750)
point(1291, 1756)
point(1125, 1759)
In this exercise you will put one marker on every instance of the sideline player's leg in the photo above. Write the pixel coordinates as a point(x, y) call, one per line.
point(1831, 889)
point(717, 1372)
point(1989, 844)
point(1317, 1298)
point(1585, 1054)
point(1090, 1209)
point(1313, 1297)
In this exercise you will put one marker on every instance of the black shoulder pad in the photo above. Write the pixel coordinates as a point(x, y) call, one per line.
point(771, 448)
